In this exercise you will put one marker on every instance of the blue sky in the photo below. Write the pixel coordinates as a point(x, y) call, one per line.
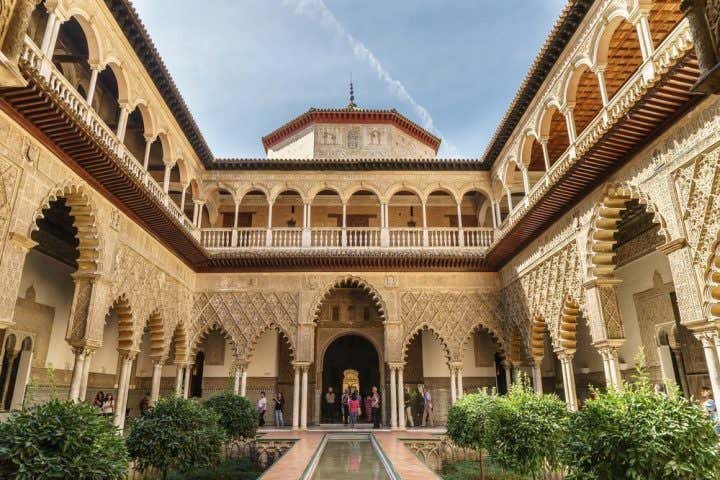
point(245, 67)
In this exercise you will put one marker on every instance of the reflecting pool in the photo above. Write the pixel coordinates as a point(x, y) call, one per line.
point(348, 457)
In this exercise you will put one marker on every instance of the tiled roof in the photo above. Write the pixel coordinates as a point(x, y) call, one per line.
point(561, 33)
point(360, 115)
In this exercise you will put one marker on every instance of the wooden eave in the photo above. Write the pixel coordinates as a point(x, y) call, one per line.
point(643, 123)
point(43, 116)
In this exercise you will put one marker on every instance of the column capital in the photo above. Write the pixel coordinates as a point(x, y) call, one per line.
point(128, 354)
point(672, 245)
point(565, 355)
point(707, 337)
point(396, 365)
point(609, 345)
point(456, 365)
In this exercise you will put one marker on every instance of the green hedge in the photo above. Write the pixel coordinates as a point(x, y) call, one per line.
point(237, 416)
point(61, 439)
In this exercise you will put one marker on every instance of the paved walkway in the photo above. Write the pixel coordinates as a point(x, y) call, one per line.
point(292, 465)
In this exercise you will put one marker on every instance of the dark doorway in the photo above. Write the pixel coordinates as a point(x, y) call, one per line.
point(348, 353)
point(502, 386)
point(197, 375)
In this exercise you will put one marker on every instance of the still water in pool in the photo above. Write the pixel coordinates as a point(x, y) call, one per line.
point(347, 459)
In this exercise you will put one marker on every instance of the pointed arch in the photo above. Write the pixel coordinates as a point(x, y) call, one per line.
point(83, 212)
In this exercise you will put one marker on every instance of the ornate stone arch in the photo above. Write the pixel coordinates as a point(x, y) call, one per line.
point(156, 327)
point(126, 323)
point(348, 281)
point(93, 39)
point(201, 334)
point(83, 212)
point(354, 188)
point(601, 261)
point(247, 349)
point(711, 292)
point(495, 335)
point(537, 337)
point(417, 330)
point(180, 340)
point(567, 326)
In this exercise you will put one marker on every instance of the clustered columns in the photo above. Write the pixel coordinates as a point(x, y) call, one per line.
point(507, 367)
point(80, 372)
point(456, 381)
point(611, 363)
point(182, 379)
point(568, 375)
point(198, 205)
point(397, 396)
point(300, 395)
point(126, 359)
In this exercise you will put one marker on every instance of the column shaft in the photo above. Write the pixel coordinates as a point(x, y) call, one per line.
point(243, 382)
point(85, 376)
point(155, 386)
point(304, 404)
point(296, 399)
point(393, 398)
point(453, 389)
point(712, 362)
point(178, 380)
point(236, 383)
point(77, 373)
point(459, 383)
point(186, 388)
point(123, 383)
point(401, 399)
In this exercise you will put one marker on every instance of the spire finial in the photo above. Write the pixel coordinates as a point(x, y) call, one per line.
point(352, 95)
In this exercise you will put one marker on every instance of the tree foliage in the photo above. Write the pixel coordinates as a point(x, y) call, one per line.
point(238, 416)
point(175, 434)
point(61, 439)
point(640, 434)
point(525, 430)
point(468, 420)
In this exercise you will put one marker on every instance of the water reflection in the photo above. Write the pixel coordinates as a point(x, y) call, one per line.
point(345, 459)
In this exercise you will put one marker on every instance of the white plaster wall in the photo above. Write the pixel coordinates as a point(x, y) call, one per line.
point(265, 356)
point(434, 358)
point(637, 276)
point(487, 360)
point(300, 145)
point(53, 287)
point(220, 370)
point(105, 359)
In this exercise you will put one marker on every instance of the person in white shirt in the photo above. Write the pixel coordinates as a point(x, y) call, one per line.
point(262, 406)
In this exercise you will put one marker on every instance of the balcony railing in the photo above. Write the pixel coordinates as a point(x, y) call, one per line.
point(89, 118)
point(350, 237)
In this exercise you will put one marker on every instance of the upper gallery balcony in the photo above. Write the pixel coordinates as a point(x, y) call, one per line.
point(286, 221)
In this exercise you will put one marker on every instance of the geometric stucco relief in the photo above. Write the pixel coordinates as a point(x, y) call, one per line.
point(542, 291)
point(452, 315)
point(245, 316)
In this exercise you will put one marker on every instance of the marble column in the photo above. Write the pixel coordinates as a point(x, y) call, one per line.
point(243, 381)
point(537, 375)
point(296, 398)
point(708, 342)
point(186, 387)
point(568, 380)
point(507, 366)
point(393, 398)
point(304, 398)
point(126, 359)
point(156, 378)
point(77, 373)
point(453, 388)
point(178, 379)
point(611, 364)
point(401, 398)
point(459, 383)
point(236, 383)
point(86, 374)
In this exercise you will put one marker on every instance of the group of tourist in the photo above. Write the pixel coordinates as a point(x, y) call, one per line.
point(278, 406)
point(105, 403)
point(352, 405)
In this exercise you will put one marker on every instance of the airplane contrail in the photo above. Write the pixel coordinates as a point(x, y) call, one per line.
point(318, 9)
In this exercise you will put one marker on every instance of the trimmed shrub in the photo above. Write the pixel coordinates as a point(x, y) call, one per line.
point(238, 416)
point(61, 439)
point(468, 419)
point(641, 434)
point(525, 431)
point(175, 434)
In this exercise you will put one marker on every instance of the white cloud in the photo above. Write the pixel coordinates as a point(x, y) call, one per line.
point(317, 9)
